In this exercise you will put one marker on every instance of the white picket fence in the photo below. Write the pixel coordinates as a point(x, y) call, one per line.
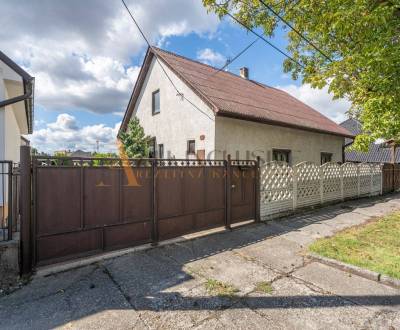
point(284, 189)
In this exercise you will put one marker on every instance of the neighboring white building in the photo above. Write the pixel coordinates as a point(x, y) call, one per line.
point(221, 113)
point(16, 108)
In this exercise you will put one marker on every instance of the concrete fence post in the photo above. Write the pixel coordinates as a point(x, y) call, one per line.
point(257, 189)
point(341, 183)
point(294, 173)
point(321, 184)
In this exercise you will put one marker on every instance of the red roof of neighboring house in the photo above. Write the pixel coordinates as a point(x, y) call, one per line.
point(233, 96)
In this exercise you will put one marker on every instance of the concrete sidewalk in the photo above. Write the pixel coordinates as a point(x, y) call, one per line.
point(166, 287)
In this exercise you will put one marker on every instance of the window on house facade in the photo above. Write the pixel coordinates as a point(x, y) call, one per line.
point(281, 155)
point(191, 147)
point(155, 104)
point(326, 157)
point(152, 148)
point(160, 151)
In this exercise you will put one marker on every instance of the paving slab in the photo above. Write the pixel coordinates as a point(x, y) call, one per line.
point(185, 252)
point(277, 253)
point(347, 220)
point(142, 274)
point(180, 308)
point(294, 305)
point(376, 210)
point(317, 230)
point(352, 287)
point(237, 317)
point(41, 287)
point(80, 302)
point(298, 237)
point(384, 320)
point(234, 269)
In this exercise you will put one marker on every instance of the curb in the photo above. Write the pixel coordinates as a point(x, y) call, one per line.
point(368, 274)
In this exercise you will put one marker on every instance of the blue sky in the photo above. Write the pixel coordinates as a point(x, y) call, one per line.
point(86, 55)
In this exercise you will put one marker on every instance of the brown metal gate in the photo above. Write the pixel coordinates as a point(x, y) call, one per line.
point(244, 182)
point(88, 206)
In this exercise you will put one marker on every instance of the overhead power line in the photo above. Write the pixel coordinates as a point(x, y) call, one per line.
point(263, 38)
point(295, 30)
point(161, 65)
point(229, 62)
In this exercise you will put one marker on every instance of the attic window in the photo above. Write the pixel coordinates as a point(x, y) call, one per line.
point(155, 104)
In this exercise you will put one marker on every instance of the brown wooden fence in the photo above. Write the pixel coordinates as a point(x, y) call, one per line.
point(390, 178)
point(88, 206)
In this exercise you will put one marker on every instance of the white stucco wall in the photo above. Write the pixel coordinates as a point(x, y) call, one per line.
point(12, 118)
point(246, 139)
point(10, 133)
point(178, 121)
point(13, 136)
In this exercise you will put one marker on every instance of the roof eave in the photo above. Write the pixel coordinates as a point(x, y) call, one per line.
point(136, 89)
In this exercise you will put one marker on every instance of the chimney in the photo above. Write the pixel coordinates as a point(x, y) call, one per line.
point(244, 72)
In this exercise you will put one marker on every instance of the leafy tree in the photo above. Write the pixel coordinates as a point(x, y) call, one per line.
point(60, 154)
point(98, 162)
point(34, 151)
point(104, 155)
point(359, 42)
point(134, 141)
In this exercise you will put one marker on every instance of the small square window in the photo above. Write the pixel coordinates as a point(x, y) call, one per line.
point(326, 157)
point(156, 102)
point(191, 147)
point(281, 155)
point(160, 151)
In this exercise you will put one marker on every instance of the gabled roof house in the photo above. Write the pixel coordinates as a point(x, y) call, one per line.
point(217, 113)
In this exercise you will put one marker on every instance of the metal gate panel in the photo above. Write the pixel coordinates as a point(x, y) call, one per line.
point(101, 196)
point(243, 192)
point(121, 236)
point(57, 248)
point(136, 200)
point(58, 200)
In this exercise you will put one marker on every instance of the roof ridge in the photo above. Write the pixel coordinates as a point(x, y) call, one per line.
point(215, 68)
point(255, 82)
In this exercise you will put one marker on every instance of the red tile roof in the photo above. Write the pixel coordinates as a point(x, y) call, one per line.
point(233, 96)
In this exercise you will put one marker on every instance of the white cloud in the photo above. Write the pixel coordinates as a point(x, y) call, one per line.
point(320, 100)
point(65, 134)
point(211, 57)
point(80, 51)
